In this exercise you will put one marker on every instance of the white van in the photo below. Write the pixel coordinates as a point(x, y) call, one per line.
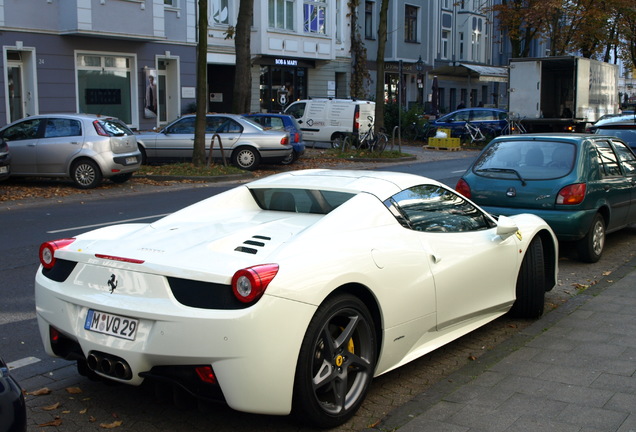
point(330, 120)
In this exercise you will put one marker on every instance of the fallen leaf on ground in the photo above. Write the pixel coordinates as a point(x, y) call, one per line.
point(56, 422)
point(83, 411)
point(73, 390)
point(52, 407)
point(40, 392)
point(112, 425)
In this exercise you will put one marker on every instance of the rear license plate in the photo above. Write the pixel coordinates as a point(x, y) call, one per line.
point(113, 325)
point(4, 169)
point(131, 160)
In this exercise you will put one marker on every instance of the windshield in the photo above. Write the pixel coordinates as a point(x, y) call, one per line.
point(526, 160)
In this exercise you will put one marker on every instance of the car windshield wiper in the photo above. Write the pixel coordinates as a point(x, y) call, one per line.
point(504, 170)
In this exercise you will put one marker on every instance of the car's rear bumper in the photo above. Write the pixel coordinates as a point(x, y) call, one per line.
point(237, 344)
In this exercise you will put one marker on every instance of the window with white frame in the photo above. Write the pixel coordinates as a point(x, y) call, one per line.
point(476, 40)
point(219, 12)
point(104, 84)
point(315, 17)
point(410, 23)
point(445, 44)
point(281, 14)
point(369, 30)
point(446, 4)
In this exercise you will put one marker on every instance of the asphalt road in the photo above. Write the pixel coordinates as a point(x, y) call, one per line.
point(27, 224)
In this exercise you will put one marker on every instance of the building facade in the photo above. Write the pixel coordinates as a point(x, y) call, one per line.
point(136, 59)
point(128, 58)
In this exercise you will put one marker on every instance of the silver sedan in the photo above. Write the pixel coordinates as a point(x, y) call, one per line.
point(244, 142)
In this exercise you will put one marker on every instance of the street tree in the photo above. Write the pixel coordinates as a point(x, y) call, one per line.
point(198, 154)
point(379, 82)
point(242, 99)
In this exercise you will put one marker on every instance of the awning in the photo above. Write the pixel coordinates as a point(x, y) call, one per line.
point(473, 71)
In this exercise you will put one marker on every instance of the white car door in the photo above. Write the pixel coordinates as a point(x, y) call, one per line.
point(474, 269)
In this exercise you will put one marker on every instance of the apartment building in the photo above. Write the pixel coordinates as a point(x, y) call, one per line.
point(135, 59)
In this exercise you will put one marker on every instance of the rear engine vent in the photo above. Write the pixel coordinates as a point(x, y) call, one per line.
point(257, 241)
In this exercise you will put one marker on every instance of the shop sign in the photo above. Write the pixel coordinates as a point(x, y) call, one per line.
point(285, 62)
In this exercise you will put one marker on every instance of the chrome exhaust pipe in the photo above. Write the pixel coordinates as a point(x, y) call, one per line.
point(106, 366)
point(93, 362)
point(122, 370)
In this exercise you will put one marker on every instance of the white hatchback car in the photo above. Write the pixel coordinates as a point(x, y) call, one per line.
point(84, 147)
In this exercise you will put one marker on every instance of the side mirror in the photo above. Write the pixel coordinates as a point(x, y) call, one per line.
point(506, 227)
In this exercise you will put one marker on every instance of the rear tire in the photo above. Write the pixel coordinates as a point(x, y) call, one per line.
point(381, 143)
point(336, 363)
point(246, 158)
point(337, 141)
point(591, 246)
point(86, 174)
point(531, 283)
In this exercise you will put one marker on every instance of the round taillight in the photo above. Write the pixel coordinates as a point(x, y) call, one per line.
point(249, 284)
point(47, 251)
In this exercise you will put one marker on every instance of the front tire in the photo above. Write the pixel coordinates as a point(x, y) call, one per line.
point(337, 141)
point(531, 283)
point(86, 174)
point(591, 246)
point(246, 158)
point(336, 363)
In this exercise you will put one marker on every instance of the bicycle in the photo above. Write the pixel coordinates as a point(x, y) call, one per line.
point(375, 142)
point(476, 133)
point(513, 126)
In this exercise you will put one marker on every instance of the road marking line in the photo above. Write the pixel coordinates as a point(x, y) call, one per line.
point(106, 223)
point(22, 362)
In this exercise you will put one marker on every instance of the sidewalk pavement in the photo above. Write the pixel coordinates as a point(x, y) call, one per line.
point(572, 370)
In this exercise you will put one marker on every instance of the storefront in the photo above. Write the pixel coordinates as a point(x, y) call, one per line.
point(282, 81)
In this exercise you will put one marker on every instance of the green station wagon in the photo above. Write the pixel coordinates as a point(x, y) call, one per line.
point(582, 185)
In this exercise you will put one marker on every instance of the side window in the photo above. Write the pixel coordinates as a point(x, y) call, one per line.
point(607, 159)
point(61, 127)
point(626, 158)
point(230, 126)
point(183, 126)
point(212, 124)
point(297, 110)
point(277, 123)
point(433, 208)
point(27, 129)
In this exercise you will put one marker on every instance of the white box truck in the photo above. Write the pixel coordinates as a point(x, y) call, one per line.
point(330, 120)
point(558, 94)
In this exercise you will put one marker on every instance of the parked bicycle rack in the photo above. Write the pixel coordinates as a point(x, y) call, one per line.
point(216, 135)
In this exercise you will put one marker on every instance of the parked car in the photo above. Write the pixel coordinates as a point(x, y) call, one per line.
point(5, 160)
point(245, 143)
point(287, 123)
point(623, 127)
point(490, 120)
point(199, 298)
point(12, 405)
point(581, 185)
point(84, 147)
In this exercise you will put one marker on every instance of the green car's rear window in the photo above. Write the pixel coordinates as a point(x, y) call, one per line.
point(527, 160)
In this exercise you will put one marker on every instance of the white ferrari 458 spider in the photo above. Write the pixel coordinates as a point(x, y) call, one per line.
point(290, 293)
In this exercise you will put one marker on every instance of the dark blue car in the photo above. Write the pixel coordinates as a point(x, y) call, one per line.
point(283, 122)
point(490, 120)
